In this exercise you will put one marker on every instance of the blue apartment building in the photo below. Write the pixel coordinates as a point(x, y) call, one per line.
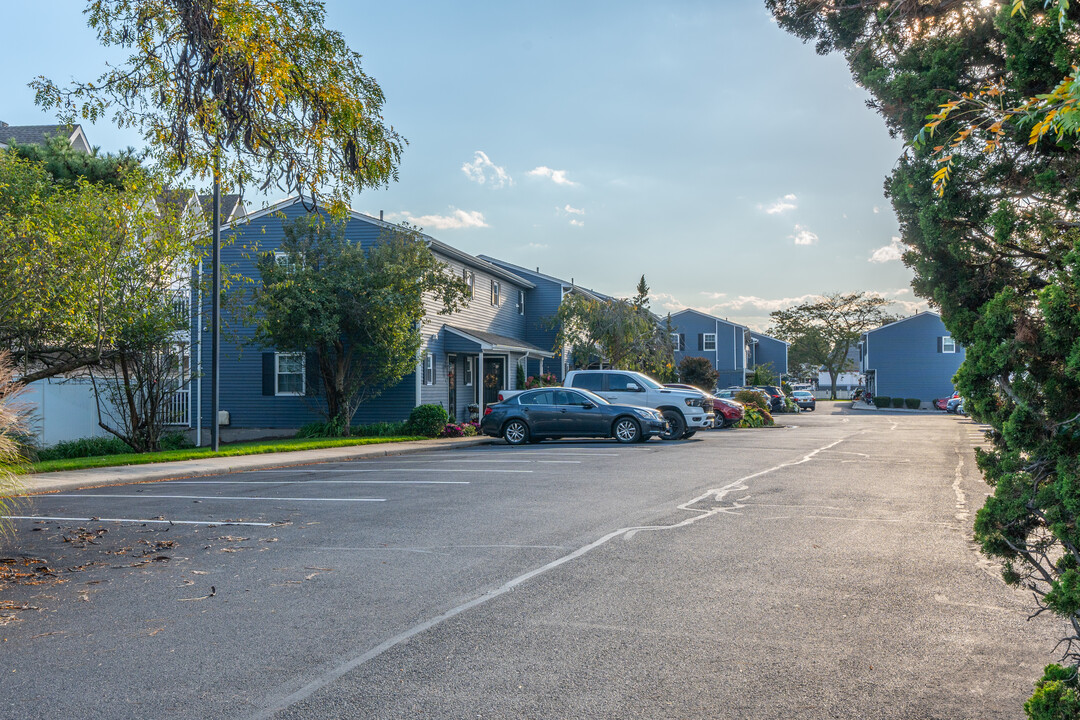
point(915, 357)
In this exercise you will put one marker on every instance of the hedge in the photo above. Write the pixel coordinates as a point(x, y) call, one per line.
point(882, 401)
point(913, 403)
point(898, 402)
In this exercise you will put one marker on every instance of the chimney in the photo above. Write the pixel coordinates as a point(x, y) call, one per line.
point(380, 216)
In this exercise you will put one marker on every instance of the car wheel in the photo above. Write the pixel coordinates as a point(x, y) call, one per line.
point(626, 430)
point(676, 425)
point(516, 433)
point(689, 434)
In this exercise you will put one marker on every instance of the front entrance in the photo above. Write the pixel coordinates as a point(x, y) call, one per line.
point(494, 379)
point(451, 383)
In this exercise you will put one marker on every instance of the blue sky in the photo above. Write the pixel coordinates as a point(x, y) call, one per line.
point(692, 142)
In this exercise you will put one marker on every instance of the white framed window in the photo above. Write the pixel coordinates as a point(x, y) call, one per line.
point(675, 341)
point(495, 290)
point(467, 375)
point(429, 369)
point(470, 280)
point(709, 342)
point(281, 259)
point(289, 373)
point(948, 345)
point(521, 302)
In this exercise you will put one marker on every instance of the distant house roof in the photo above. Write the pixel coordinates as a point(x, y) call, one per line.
point(756, 334)
point(527, 273)
point(710, 317)
point(231, 207)
point(40, 134)
point(922, 314)
point(491, 341)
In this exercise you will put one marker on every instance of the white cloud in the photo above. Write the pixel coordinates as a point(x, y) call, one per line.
point(573, 210)
point(782, 205)
point(577, 223)
point(557, 176)
point(803, 236)
point(876, 209)
point(456, 220)
point(537, 246)
point(888, 253)
point(481, 170)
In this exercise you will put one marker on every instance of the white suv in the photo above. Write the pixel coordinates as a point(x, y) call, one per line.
point(684, 410)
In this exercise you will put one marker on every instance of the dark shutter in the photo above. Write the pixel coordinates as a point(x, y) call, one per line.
point(268, 373)
point(312, 376)
point(700, 341)
point(940, 344)
point(682, 341)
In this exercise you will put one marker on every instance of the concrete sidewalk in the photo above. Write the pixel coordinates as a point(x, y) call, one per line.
point(125, 474)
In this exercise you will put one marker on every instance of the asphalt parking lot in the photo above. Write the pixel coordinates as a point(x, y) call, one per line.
point(571, 579)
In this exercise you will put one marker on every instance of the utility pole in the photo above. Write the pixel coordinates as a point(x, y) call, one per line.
point(215, 313)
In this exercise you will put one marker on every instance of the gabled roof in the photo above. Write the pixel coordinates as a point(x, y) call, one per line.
point(436, 245)
point(40, 134)
point(708, 316)
point(527, 273)
point(755, 333)
point(491, 341)
point(231, 207)
point(910, 317)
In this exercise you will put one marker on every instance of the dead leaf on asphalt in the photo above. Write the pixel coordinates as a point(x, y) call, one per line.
point(213, 592)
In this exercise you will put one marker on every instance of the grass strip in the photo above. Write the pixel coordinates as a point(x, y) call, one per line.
point(232, 450)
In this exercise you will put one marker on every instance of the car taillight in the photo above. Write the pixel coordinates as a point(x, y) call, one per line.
point(487, 410)
point(501, 398)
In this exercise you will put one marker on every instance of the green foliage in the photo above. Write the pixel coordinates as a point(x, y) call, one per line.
point(912, 403)
point(542, 380)
point(257, 92)
point(427, 420)
point(469, 429)
point(521, 379)
point(998, 251)
point(67, 167)
point(12, 436)
point(823, 331)
point(762, 375)
point(330, 430)
point(100, 446)
point(752, 398)
point(1056, 695)
point(898, 402)
point(882, 401)
point(699, 372)
point(622, 333)
point(755, 417)
point(360, 311)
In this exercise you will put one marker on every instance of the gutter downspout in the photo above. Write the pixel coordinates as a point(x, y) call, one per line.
point(198, 365)
point(480, 385)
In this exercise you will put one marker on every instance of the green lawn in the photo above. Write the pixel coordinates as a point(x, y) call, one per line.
point(231, 450)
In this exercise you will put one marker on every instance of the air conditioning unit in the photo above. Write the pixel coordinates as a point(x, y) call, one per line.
point(223, 417)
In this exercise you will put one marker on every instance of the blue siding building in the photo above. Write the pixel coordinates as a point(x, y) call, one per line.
point(466, 359)
point(723, 343)
point(912, 358)
point(767, 351)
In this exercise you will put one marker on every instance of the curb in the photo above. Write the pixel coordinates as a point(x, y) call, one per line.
point(41, 483)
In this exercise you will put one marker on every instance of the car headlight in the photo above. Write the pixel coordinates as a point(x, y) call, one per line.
point(695, 402)
point(647, 414)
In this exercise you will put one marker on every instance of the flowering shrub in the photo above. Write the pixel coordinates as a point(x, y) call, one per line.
point(470, 429)
point(542, 380)
point(755, 417)
point(452, 431)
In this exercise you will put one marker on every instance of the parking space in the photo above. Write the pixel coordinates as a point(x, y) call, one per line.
point(343, 491)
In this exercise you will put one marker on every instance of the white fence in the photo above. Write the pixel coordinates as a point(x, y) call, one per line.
point(62, 410)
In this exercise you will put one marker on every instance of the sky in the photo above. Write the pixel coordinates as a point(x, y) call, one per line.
point(694, 143)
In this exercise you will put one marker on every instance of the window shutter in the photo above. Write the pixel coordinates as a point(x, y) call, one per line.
point(940, 344)
point(268, 373)
point(682, 341)
point(700, 341)
point(312, 376)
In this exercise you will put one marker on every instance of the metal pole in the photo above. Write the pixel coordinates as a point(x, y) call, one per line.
point(215, 316)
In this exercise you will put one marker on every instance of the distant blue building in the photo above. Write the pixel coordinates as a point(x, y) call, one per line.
point(767, 351)
point(723, 343)
point(466, 358)
point(915, 357)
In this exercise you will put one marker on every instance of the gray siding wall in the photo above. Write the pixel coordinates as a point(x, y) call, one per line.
point(906, 360)
point(241, 391)
point(729, 357)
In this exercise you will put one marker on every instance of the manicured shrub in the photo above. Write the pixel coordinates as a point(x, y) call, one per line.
point(84, 447)
point(882, 401)
point(752, 397)
point(898, 402)
point(427, 420)
point(380, 429)
point(699, 372)
point(912, 403)
point(755, 417)
point(1056, 696)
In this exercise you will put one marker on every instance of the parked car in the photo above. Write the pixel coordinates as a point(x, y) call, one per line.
point(553, 412)
point(710, 399)
point(943, 403)
point(804, 399)
point(683, 410)
point(728, 412)
point(953, 404)
point(731, 392)
point(776, 396)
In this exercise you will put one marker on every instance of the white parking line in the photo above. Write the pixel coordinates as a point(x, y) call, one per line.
point(415, 469)
point(215, 497)
point(512, 460)
point(459, 453)
point(316, 482)
point(212, 523)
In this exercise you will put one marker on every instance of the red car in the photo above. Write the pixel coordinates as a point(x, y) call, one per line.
point(728, 412)
point(943, 403)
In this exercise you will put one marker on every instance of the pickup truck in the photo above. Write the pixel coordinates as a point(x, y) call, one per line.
point(684, 410)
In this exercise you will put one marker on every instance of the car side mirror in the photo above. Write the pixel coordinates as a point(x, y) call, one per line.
point(632, 387)
point(587, 405)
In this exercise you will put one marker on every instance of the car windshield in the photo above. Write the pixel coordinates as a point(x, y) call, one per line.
point(803, 393)
point(592, 396)
point(648, 382)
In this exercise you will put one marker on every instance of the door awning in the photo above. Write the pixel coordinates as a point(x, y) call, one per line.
point(474, 341)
